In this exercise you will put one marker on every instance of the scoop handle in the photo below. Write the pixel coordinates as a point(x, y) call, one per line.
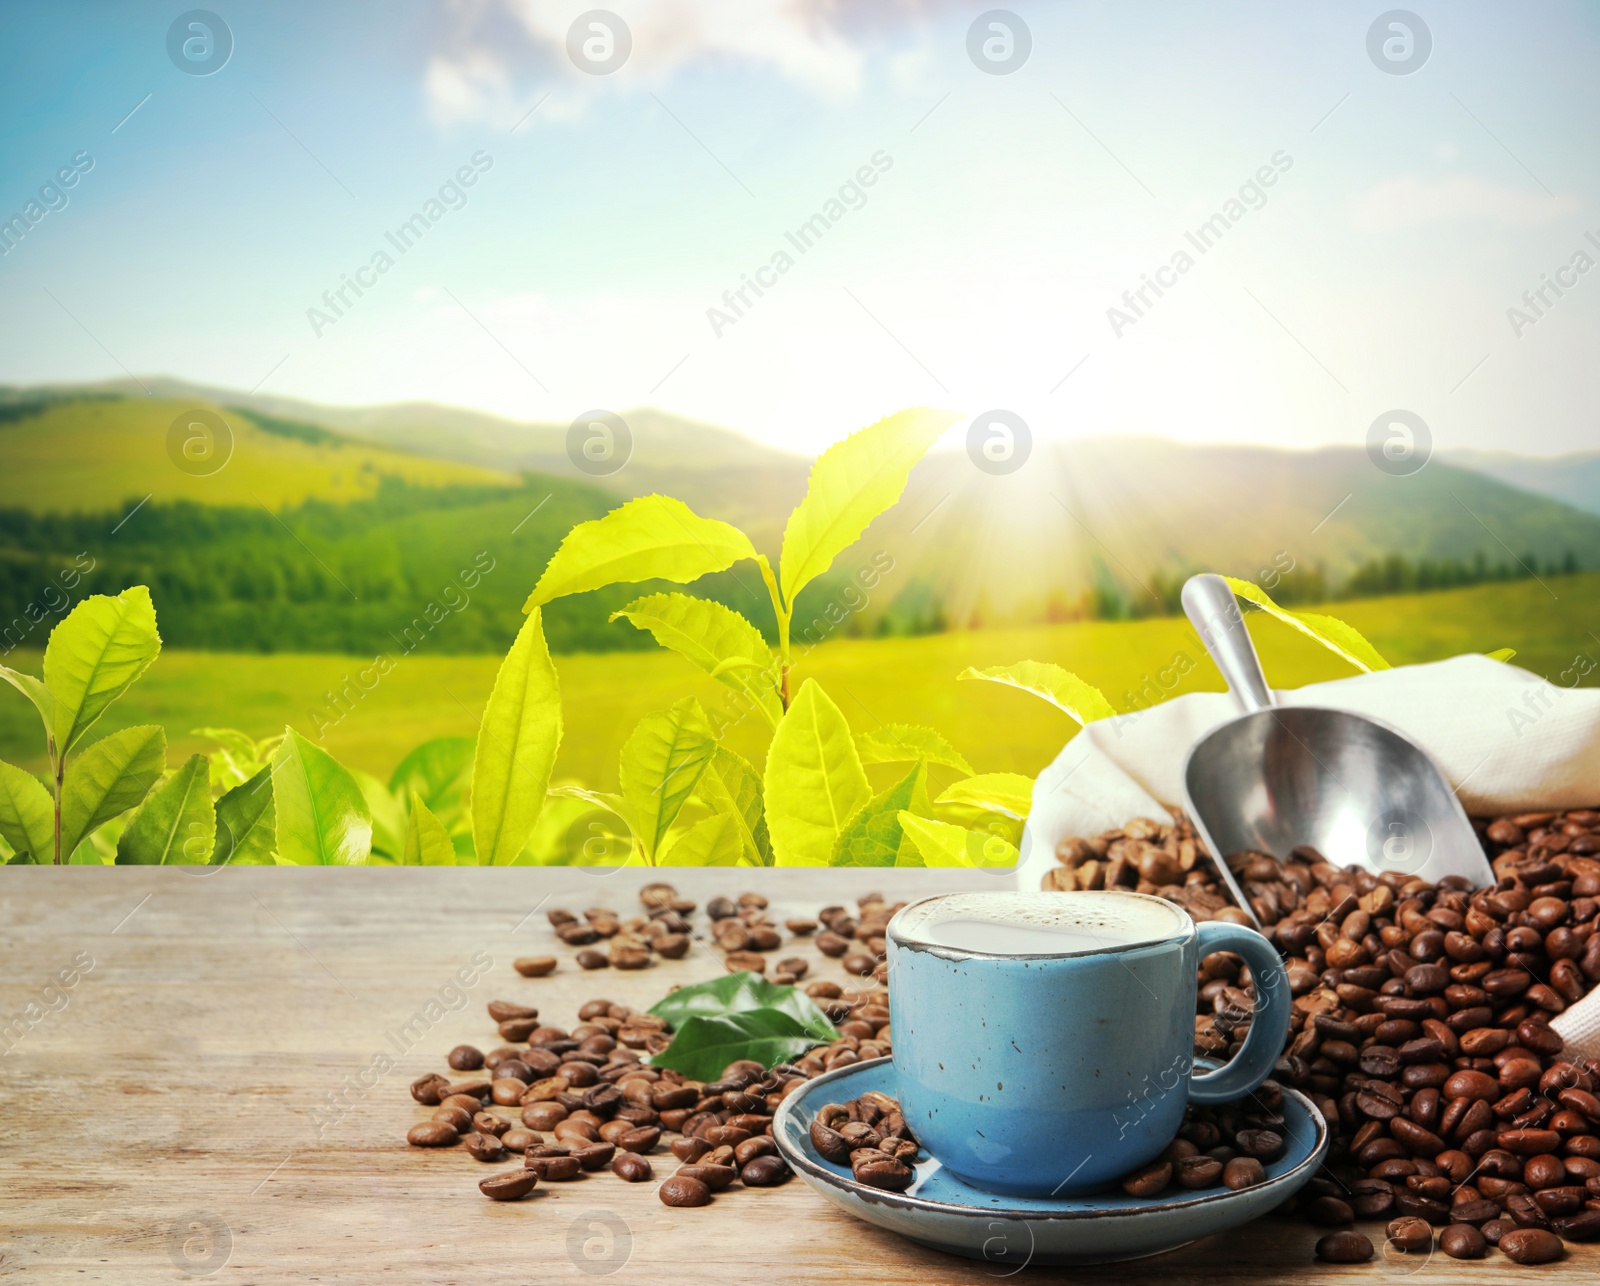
point(1209, 603)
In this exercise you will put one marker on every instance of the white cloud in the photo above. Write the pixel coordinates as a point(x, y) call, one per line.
point(498, 56)
point(1408, 201)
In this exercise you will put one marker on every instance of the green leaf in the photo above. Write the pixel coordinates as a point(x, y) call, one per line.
point(440, 771)
point(1338, 637)
point(661, 764)
point(996, 792)
point(516, 749)
point(1061, 688)
point(736, 993)
point(27, 813)
point(94, 655)
point(851, 483)
point(427, 841)
point(814, 781)
point(177, 825)
point(872, 837)
point(901, 743)
point(941, 844)
point(387, 812)
point(731, 787)
point(651, 538)
point(717, 640)
point(712, 841)
point(702, 1047)
point(36, 692)
point(322, 818)
point(247, 823)
point(109, 778)
point(1502, 654)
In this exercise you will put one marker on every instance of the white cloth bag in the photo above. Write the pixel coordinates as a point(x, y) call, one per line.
point(1508, 740)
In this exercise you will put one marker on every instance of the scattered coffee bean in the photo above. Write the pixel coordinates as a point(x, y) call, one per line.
point(1348, 1247)
point(1463, 1241)
point(510, 1185)
point(766, 1172)
point(681, 1190)
point(631, 1166)
point(432, 1134)
point(534, 966)
point(1410, 1234)
point(1531, 1246)
point(1243, 1172)
point(465, 1058)
point(714, 1176)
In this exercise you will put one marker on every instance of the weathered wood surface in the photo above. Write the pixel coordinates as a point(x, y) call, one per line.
point(160, 1118)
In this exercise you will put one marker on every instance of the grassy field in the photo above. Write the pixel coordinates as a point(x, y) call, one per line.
point(874, 681)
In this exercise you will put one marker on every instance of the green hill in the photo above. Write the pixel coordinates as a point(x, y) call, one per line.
point(72, 453)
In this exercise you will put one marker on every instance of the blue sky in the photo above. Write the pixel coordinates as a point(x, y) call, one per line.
point(977, 272)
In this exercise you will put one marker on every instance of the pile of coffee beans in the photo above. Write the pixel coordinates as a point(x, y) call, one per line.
point(631, 943)
point(573, 1102)
point(869, 1134)
point(1219, 1145)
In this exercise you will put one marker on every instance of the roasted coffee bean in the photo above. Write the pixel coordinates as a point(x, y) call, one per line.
point(534, 966)
point(519, 1139)
point(432, 1134)
point(714, 1176)
point(632, 1167)
point(1344, 1248)
point(429, 1089)
point(1148, 1181)
point(511, 1185)
point(681, 1190)
point(875, 1169)
point(768, 1172)
point(453, 1115)
point(594, 1156)
point(465, 1058)
point(1463, 1241)
point(489, 1123)
point(1264, 1145)
point(1197, 1172)
point(1243, 1172)
point(484, 1147)
point(672, 946)
point(1329, 1212)
point(553, 1169)
point(1531, 1246)
point(592, 959)
point(543, 1115)
point(1410, 1234)
point(761, 1145)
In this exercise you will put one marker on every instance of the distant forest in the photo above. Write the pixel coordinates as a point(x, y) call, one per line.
point(445, 569)
point(448, 569)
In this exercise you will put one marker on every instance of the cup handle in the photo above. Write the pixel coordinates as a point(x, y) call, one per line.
point(1269, 1025)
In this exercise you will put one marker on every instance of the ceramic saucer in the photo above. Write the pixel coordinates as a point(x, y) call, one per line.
point(941, 1211)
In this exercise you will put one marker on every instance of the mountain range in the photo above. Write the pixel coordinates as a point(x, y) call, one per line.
point(1082, 518)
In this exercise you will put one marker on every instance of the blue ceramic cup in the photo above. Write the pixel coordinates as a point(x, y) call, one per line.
point(1043, 1042)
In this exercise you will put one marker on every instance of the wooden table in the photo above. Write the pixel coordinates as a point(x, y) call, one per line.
point(159, 1114)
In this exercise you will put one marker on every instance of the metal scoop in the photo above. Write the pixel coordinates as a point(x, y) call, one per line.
point(1278, 776)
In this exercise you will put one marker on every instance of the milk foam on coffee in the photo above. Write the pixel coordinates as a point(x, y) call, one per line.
point(1038, 924)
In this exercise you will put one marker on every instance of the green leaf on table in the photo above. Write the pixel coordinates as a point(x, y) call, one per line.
point(1061, 688)
point(322, 817)
point(440, 771)
point(902, 743)
point(702, 1047)
point(872, 836)
point(1334, 634)
point(741, 992)
point(717, 640)
point(730, 786)
point(941, 844)
point(27, 814)
point(94, 655)
point(247, 825)
point(109, 778)
point(661, 764)
point(651, 538)
point(177, 824)
point(851, 483)
point(1009, 793)
point(427, 842)
point(516, 749)
point(712, 841)
point(814, 781)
